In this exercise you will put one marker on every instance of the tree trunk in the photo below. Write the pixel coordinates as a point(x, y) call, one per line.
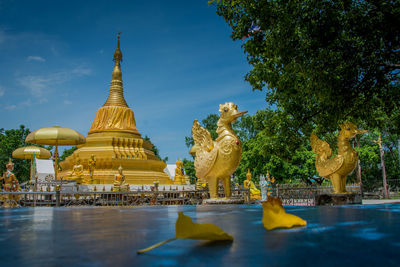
point(398, 149)
point(385, 189)
point(359, 179)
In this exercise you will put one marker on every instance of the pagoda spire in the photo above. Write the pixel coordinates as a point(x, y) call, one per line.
point(116, 95)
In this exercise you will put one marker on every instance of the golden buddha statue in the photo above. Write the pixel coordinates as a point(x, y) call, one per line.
point(119, 183)
point(187, 179)
point(92, 167)
point(255, 193)
point(114, 140)
point(179, 178)
point(77, 171)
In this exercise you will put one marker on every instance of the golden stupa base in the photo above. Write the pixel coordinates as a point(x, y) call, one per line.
point(132, 188)
point(112, 150)
point(134, 177)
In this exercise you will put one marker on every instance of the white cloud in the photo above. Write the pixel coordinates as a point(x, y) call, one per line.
point(15, 39)
point(81, 71)
point(10, 107)
point(35, 58)
point(67, 102)
point(40, 85)
point(25, 103)
point(2, 91)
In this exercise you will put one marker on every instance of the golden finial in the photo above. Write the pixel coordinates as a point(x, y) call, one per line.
point(116, 96)
point(118, 53)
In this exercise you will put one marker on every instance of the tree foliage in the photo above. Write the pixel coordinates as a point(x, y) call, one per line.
point(322, 62)
point(155, 149)
point(9, 141)
point(369, 155)
point(269, 149)
point(188, 166)
point(67, 152)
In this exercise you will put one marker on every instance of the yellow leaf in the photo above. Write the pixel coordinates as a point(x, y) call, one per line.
point(186, 228)
point(274, 215)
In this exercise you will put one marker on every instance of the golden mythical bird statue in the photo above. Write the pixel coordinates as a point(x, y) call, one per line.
point(341, 165)
point(217, 159)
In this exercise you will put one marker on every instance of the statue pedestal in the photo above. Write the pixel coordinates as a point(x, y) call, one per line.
point(213, 201)
point(338, 199)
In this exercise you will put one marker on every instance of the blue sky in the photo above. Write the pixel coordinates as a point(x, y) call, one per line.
point(179, 64)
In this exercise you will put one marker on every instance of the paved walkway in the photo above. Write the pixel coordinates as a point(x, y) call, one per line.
point(379, 201)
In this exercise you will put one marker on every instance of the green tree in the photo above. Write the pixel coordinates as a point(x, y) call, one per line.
point(315, 58)
point(369, 155)
point(188, 166)
point(270, 149)
point(155, 149)
point(9, 141)
point(67, 152)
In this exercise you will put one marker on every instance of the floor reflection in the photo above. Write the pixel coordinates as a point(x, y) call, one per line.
point(111, 236)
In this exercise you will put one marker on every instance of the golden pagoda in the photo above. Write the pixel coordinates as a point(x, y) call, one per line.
point(114, 141)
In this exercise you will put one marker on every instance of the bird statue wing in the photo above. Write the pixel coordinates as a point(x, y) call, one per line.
point(202, 138)
point(329, 166)
point(320, 147)
point(205, 151)
point(323, 163)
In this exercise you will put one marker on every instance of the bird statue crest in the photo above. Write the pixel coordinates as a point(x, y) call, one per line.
point(338, 167)
point(217, 160)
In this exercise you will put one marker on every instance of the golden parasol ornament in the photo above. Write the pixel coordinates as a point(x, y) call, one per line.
point(31, 152)
point(57, 136)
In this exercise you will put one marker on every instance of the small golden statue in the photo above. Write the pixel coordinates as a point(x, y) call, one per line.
point(338, 167)
point(119, 183)
point(255, 193)
point(77, 171)
point(10, 181)
point(217, 160)
point(201, 184)
point(92, 166)
point(179, 178)
point(186, 178)
point(10, 185)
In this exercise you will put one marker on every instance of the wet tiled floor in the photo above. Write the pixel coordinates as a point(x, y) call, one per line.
point(357, 235)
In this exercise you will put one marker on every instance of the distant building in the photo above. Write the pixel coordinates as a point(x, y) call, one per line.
point(44, 170)
point(170, 170)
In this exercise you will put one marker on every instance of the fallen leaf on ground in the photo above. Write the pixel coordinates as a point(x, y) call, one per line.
point(275, 216)
point(185, 228)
